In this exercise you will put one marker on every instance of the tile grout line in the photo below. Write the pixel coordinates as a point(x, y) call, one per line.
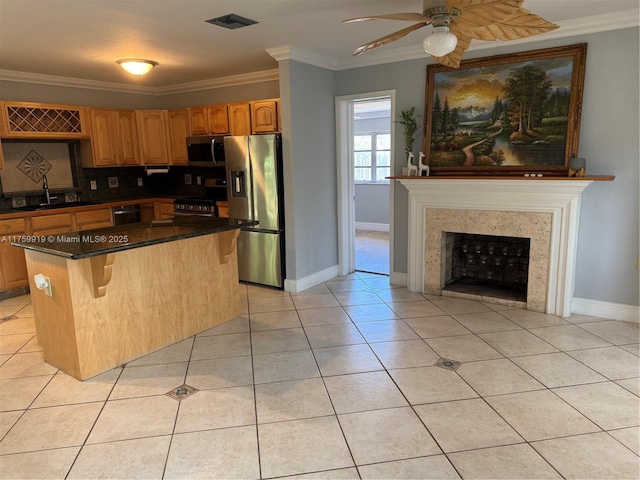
point(335, 413)
point(104, 404)
point(254, 385)
point(175, 420)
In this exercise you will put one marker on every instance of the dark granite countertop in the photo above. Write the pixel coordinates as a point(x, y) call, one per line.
point(90, 243)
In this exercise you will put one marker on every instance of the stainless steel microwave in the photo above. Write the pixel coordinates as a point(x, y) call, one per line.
point(206, 151)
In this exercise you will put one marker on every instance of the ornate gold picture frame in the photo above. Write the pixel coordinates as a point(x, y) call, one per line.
point(505, 114)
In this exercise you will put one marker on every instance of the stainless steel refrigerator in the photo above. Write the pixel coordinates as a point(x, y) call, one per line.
point(254, 192)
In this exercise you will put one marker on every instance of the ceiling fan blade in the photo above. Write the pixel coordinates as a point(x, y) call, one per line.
point(392, 37)
point(524, 24)
point(453, 58)
point(478, 13)
point(407, 17)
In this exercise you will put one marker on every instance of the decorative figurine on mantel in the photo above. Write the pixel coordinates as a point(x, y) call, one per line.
point(411, 168)
point(422, 167)
point(577, 167)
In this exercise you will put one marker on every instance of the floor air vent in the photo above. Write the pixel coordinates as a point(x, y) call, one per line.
point(231, 21)
point(447, 364)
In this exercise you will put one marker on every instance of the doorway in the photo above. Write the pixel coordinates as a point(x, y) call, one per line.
point(365, 197)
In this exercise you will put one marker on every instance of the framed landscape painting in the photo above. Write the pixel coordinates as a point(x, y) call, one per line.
point(506, 114)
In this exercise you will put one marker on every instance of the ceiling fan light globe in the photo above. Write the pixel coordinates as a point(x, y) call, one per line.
point(440, 43)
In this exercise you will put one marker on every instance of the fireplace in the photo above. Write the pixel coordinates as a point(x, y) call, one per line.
point(486, 266)
point(545, 211)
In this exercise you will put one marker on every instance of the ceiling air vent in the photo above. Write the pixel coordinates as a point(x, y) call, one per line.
point(231, 21)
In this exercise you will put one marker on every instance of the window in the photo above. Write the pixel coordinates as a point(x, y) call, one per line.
point(372, 157)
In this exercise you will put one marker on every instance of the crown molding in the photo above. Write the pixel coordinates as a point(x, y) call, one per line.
point(568, 28)
point(230, 81)
point(299, 54)
point(52, 80)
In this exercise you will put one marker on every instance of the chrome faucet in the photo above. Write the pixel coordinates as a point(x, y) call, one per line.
point(45, 187)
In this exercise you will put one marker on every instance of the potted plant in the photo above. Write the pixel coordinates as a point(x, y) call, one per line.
point(408, 121)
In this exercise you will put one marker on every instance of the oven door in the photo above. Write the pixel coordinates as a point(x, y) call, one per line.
point(206, 151)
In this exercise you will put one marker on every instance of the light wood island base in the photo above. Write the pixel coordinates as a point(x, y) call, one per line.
point(110, 309)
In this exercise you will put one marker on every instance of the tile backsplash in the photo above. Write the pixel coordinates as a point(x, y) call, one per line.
point(111, 184)
point(27, 163)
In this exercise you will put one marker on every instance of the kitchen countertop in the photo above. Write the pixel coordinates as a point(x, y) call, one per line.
point(90, 243)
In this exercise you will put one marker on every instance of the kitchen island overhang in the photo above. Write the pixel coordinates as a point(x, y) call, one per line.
point(120, 293)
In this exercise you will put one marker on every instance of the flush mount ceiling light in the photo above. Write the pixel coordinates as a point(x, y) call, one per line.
point(136, 66)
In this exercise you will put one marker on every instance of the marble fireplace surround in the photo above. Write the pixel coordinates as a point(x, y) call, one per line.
point(544, 210)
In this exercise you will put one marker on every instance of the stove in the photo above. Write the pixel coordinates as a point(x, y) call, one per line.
point(205, 207)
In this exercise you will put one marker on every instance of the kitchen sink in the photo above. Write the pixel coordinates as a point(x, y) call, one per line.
point(53, 206)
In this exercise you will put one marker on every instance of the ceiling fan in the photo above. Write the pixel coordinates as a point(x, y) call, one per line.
point(457, 22)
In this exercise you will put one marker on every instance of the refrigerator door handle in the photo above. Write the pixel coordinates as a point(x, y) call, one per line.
point(213, 153)
point(238, 183)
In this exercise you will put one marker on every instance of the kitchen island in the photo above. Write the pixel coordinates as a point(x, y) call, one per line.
point(108, 296)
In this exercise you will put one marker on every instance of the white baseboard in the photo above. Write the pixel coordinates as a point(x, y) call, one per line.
point(397, 278)
point(373, 227)
point(597, 308)
point(302, 284)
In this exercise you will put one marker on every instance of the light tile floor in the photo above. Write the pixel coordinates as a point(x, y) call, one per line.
point(336, 382)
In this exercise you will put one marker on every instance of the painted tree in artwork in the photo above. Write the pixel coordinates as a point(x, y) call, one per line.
point(558, 103)
point(435, 116)
point(445, 118)
point(498, 109)
point(526, 89)
point(455, 120)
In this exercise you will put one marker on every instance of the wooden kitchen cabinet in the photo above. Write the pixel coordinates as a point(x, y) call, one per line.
point(3, 119)
point(218, 116)
point(13, 268)
point(102, 149)
point(51, 224)
point(208, 120)
point(127, 138)
point(3, 130)
point(178, 133)
point(113, 139)
point(198, 123)
point(43, 121)
point(239, 118)
point(153, 137)
point(163, 209)
point(264, 116)
point(91, 219)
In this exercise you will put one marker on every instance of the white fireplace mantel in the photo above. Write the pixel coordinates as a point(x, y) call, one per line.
point(559, 197)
